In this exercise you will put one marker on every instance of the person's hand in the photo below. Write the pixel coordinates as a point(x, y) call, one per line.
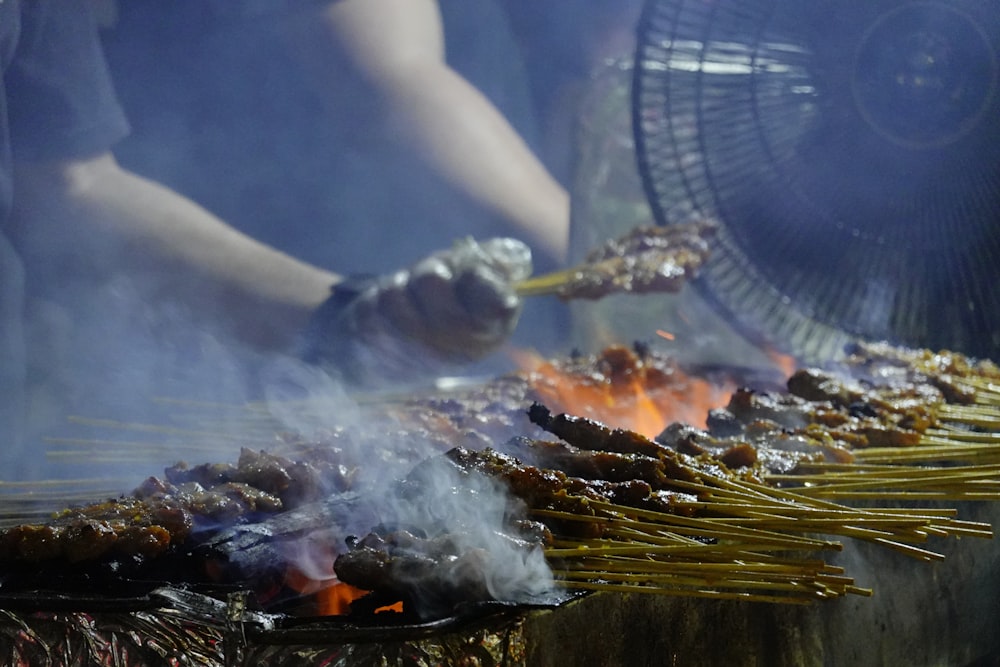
point(454, 306)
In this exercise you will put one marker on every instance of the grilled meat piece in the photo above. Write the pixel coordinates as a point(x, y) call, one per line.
point(647, 259)
point(592, 435)
point(315, 473)
point(591, 465)
point(548, 488)
point(879, 359)
point(837, 416)
point(223, 502)
point(760, 448)
point(437, 571)
point(537, 487)
point(117, 528)
point(903, 403)
point(161, 513)
point(432, 570)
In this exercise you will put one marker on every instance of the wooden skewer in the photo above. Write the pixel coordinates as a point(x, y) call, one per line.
point(909, 514)
point(708, 530)
point(155, 428)
point(985, 389)
point(958, 436)
point(85, 447)
point(703, 553)
point(748, 489)
point(929, 453)
point(681, 592)
point(956, 480)
point(771, 528)
point(957, 411)
point(33, 485)
point(909, 495)
point(778, 568)
point(637, 570)
point(548, 283)
point(749, 581)
point(890, 472)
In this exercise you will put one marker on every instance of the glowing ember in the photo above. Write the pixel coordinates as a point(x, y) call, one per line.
point(625, 390)
point(312, 575)
point(336, 600)
point(332, 597)
point(783, 362)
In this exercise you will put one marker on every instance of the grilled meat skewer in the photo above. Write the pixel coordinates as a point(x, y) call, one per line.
point(647, 259)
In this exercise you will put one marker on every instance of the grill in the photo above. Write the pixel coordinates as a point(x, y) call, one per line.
point(921, 613)
point(156, 616)
point(917, 617)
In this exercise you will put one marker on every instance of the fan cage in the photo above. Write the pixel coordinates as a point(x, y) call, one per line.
point(747, 112)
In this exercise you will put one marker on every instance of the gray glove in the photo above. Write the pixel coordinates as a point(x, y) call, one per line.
point(453, 307)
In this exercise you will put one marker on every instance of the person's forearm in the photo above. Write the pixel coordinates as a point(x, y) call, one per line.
point(469, 142)
point(98, 219)
point(397, 47)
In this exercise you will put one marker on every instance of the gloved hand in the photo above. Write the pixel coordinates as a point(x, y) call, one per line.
point(453, 307)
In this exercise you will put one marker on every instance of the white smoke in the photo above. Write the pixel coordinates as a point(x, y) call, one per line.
point(475, 512)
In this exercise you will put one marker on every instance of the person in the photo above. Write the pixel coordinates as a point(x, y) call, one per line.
point(276, 111)
point(274, 117)
point(76, 224)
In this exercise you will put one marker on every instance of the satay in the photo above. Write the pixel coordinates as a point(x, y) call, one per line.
point(645, 260)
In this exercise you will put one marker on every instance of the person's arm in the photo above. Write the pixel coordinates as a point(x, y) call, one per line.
point(398, 47)
point(90, 218)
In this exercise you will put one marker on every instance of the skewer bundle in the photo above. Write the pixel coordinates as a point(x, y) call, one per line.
point(727, 537)
point(944, 410)
point(754, 545)
point(707, 525)
point(947, 452)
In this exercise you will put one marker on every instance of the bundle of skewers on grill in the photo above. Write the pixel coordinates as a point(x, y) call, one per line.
point(748, 508)
point(753, 507)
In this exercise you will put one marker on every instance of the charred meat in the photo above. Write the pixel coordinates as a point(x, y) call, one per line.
point(163, 512)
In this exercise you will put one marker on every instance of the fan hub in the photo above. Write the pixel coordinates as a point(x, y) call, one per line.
point(924, 75)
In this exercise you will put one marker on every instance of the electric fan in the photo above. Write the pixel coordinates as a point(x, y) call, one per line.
point(850, 152)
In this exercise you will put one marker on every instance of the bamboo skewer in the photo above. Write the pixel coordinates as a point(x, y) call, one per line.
point(710, 529)
point(681, 592)
point(970, 482)
point(151, 428)
point(645, 259)
point(958, 436)
point(746, 513)
point(548, 283)
point(743, 538)
point(750, 581)
point(929, 455)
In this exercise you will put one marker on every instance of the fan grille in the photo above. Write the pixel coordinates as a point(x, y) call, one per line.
point(850, 151)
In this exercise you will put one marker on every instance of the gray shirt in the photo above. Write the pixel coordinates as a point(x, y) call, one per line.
point(56, 102)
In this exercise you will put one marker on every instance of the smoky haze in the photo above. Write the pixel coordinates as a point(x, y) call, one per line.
point(223, 113)
point(121, 384)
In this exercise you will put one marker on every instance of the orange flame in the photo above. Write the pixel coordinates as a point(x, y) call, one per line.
point(628, 393)
point(785, 363)
point(332, 597)
point(336, 600)
point(315, 577)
